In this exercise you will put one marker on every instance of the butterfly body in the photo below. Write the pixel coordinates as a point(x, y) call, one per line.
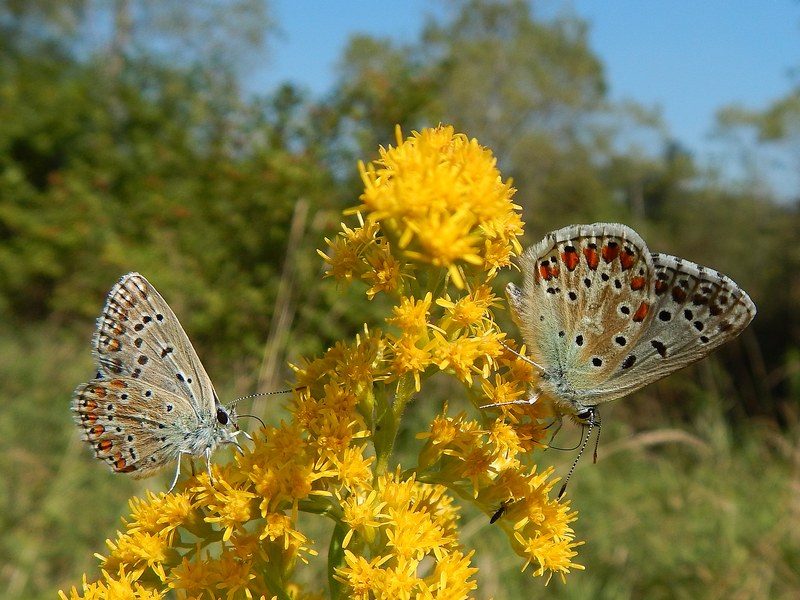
point(602, 316)
point(151, 401)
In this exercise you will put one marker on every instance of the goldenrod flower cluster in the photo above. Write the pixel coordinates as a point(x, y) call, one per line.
point(435, 224)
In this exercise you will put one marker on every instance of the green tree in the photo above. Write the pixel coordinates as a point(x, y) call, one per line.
point(765, 140)
point(529, 87)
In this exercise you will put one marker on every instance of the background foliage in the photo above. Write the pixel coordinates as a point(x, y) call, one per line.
point(143, 154)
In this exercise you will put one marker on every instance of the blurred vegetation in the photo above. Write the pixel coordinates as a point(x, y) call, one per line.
point(140, 152)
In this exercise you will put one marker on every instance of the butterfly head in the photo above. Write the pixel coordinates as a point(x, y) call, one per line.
point(226, 420)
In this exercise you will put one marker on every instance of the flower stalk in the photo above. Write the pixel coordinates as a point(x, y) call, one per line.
point(435, 225)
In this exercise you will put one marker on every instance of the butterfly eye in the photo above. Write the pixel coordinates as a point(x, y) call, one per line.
point(222, 416)
point(586, 416)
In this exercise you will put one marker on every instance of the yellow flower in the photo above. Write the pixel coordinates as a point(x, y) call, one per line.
point(233, 574)
point(503, 391)
point(353, 468)
point(446, 239)
point(363, 513)
point(136, 552)
point(471, 311)
point(230, 508)
point(440, 196)
point(489, 467)
point(191, 578)
point(414, 534)
point(343, 260)
point(161, 514)
point(121, 587)
point(411, 315)
point(398, 525)
point(363, 577)
point(346, 258)
point(550, 553)
point(401, 580)
point(452, 577)
point(506, 439)
point(465, 356)
point(410, 358)
point(385, 272)
point(435, 225)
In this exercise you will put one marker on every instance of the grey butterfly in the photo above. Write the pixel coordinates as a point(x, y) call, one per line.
point(152, 401)
point(602, 316)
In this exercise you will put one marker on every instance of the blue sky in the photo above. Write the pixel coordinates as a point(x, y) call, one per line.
point(686, 57)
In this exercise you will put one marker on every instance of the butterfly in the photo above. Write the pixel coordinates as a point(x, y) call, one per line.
point(602, 316)
point(151, 401)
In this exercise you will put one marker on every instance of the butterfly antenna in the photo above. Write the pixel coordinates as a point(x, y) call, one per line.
point(590, 426)
point(259, 394)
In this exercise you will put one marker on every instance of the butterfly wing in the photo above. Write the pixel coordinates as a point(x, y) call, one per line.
point(693, 311)
point(132, 426)
point(696, 310)
point(604, 317)
point(586, 298)
point(138, 336)
point(151, 400)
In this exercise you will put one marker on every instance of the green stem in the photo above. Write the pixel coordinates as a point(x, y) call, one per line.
point(335, 560)
point(388, 423)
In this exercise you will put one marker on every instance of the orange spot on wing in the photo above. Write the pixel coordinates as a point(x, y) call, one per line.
point(570, 258)
point(592, 258)
point(641, 312)
point(544, 272)
point(548, 271)
point(105, 445)
point(121, 465)
point(661, 287)
point(638, 283)
point(610, 252)
point(627, 259)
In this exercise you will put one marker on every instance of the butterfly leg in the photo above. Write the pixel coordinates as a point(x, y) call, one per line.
point(597, 438)
point(208, 466)
point(530, 400)
point(235, 443)
point(177, 473)
point(522, 356)
point(558, 422)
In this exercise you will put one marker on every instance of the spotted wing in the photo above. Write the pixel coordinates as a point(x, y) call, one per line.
point(697, 310)
point(587, 297)
point(139, 337)
point(132, 426)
